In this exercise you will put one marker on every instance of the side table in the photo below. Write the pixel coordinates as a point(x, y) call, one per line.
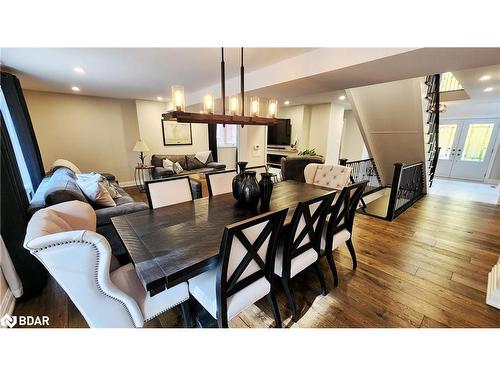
point(141, 174)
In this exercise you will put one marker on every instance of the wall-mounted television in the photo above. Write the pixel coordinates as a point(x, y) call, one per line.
point(279, 135)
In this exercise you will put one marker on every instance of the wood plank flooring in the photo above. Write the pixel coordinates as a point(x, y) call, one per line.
point(428, 268)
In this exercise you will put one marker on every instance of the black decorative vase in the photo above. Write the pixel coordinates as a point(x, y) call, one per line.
point(266, 190)
point(238, 179)
point(250, 191)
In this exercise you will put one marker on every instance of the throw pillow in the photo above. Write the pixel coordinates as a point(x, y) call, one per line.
point(64, 163)
point(112, 190)
point(203, 156)
point(177, 168)
point(168, 165)
point(94, 190)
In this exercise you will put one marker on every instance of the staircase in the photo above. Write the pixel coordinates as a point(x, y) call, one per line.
point(432, 96)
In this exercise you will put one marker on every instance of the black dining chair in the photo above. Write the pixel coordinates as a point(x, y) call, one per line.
point(244, 271)
point(168, 191)
point(339, 223)
point(299, 248)
point(220, 182)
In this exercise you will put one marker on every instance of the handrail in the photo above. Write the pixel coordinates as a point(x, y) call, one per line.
point(361, 170)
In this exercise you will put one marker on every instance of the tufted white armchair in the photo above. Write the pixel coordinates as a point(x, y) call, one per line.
point(63, 238)
point(330, 176)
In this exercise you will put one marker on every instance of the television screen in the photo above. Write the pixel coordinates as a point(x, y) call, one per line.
point(279, 135)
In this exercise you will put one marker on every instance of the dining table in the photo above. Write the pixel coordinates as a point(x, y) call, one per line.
point(171, 244)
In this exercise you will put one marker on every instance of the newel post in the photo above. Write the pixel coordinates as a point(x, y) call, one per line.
point(398, 167)
point(343, 161)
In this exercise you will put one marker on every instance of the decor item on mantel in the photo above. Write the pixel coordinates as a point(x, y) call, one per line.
point(238, 179)
point(141, 147)
point(236, 104)
point(250, 191)
point(266, 189)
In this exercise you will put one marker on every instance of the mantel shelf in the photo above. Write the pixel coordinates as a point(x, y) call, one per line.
point(203, 118)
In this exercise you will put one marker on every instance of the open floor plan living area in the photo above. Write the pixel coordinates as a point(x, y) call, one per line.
point(250, 187)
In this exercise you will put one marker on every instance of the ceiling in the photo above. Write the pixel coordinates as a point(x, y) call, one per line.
point(470, 80)
point(135, 73)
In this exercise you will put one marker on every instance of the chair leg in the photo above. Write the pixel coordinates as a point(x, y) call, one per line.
point(331, 262)
point(350, 246)
point(321, 277)
point(186, 314)
point(291, 301)
point(274, 306)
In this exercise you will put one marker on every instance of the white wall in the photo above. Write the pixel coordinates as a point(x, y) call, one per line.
point(318, 132)
point(97, 134)
point(352, 146)
point(149, 123)
point(249, 137)
point(227, 155)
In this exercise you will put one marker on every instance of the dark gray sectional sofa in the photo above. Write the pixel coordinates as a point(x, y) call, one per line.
point(188, 162)
point(60, 186)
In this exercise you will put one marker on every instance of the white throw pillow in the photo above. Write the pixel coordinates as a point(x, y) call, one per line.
point(168, 165)
point(203, 156)
point(65, 163)
point(94, 190)
point(177, 168)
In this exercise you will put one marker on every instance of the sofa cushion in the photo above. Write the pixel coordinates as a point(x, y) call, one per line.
point(157, 160)
point(215, 165)
point(193, 163)
point(62, 187)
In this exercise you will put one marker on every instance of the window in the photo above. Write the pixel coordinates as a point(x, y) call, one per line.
point(21, 163)
point(477, 141)
point(449, 83)
point(446, 138)
point(227, 136)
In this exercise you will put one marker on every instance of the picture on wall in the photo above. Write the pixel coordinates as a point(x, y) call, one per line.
point(176, 133)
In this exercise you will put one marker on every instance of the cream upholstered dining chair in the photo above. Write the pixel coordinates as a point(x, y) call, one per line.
point(220, 182)
point(168, 191)
point(63, 238)
point(300, 247)
point(338, 227)
point(330, 176)
point(244, 271)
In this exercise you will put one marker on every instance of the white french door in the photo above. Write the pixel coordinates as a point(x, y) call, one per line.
point(466, 148)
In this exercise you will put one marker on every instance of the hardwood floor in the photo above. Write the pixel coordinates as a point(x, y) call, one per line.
point(428, 268)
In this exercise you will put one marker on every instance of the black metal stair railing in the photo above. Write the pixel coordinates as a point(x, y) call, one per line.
point(363, 170)
point(407, 187)
point(432, 96)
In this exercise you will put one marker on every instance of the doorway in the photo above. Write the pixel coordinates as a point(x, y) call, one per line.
point(466, 148)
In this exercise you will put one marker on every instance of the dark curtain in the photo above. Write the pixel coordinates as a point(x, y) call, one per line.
point(14, 219)
point(212, 140)
point(14, 97)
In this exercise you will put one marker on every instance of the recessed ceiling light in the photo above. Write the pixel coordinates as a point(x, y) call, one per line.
point(488, 89)
point(485, 78)
point(78, 70)
point(287, 102)
point(342, 97)
point(159, 98)
point(74, 88)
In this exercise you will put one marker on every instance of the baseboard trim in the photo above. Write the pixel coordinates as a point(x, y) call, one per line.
point(491, 181)
point(8, 304)
point(127, 183)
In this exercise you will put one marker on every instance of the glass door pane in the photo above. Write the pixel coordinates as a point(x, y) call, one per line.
point(477, 141)
point(446, 138)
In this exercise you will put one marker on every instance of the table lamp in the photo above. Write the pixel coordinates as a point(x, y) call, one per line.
point(141, 147)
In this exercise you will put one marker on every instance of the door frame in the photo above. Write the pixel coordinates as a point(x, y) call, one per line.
point(496, 146)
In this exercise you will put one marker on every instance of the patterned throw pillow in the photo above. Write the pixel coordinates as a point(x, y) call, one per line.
point(94, 190)
point(168, 165)
point(177, 168)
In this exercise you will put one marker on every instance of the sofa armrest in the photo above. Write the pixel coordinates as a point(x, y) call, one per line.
point(216, 165)
point(160, 172)
point(105, 214)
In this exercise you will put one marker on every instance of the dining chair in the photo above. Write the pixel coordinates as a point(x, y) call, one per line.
point(258, 169)
point(168, 191)
point(220, 182)
point(299, 248)
point(244, 271)
point(327, 175)
point(63, 238)
point(338, 226)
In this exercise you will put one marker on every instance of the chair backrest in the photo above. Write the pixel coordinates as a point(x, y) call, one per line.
point(63, 238)
point(343, 211)
point(168, 191)
point(247, 254)
point(258, 170)
point(306, 227)
point(327, 175)
point(220, 182)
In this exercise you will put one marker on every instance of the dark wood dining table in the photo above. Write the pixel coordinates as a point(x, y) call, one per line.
point(172, 244)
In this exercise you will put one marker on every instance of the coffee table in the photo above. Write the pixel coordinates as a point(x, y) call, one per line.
point(201, 179)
